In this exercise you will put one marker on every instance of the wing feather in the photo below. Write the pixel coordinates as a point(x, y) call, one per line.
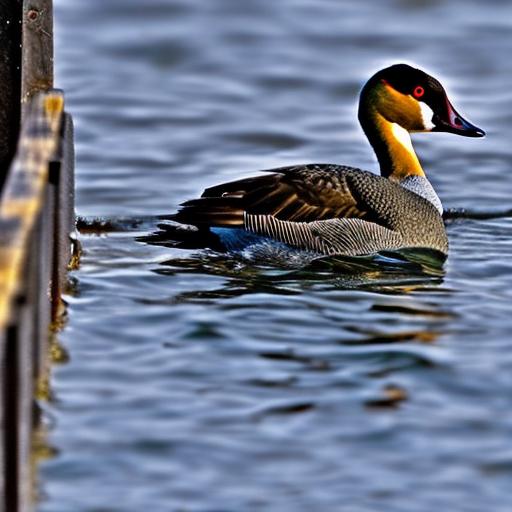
point(296, 194)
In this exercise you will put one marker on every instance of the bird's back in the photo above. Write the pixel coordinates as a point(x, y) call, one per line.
point(329, 209)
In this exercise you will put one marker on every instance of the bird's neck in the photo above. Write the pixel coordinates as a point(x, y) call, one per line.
point(392, 145)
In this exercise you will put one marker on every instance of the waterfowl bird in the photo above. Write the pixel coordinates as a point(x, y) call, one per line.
point(334, 209)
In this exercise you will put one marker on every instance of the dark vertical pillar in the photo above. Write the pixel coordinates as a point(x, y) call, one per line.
point(10, 392)
point(10, 96)
point(10, 80)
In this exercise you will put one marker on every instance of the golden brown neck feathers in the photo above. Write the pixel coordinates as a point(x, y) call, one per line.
point(387, 116)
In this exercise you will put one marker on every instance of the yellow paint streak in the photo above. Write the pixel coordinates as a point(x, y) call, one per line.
point(11, 261)
point(24, 189)
point(54, 108)
point(53, 104)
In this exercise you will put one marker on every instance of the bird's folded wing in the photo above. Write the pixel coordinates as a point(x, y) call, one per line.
point(293, 194)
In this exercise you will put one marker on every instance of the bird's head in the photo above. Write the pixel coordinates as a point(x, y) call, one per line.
point(415, 101)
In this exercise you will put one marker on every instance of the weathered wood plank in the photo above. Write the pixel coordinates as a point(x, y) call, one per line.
point(36, 218)
point(24, 189)
point(25, 373)
point(37, 48)
point(62, 177)
point(28, 223)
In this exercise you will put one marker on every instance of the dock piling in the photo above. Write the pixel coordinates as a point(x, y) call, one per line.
point(36, 220)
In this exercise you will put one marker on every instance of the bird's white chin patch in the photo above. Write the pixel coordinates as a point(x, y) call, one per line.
point(427, 115)
point(402, 136)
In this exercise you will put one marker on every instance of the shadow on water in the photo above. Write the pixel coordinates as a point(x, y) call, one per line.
point(397, 272)
point(394, 273)
point(383, 349)
point(386, 275)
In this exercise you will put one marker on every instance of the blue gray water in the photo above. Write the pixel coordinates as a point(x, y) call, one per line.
point(201, 383)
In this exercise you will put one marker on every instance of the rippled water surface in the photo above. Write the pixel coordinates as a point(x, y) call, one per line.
point(197, 382)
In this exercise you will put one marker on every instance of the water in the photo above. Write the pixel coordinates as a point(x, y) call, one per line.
point(202, 383)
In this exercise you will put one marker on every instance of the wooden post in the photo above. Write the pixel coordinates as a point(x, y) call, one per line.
point(36, 219)
point(29, 274)
point(37, 48)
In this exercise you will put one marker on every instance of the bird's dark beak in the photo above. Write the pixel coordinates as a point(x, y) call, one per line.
point(453, 122)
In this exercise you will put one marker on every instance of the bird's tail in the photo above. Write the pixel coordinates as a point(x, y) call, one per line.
point(183, 237)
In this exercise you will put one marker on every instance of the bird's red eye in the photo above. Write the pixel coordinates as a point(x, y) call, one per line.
point(418, 91)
